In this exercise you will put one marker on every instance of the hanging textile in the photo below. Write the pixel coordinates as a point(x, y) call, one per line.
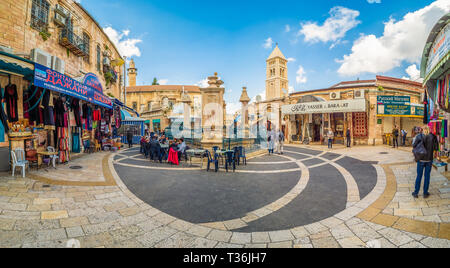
point(76, 112)
point(4, 120)
point(76, 142)
point(63, 145)
point(11, 102)
point(47, 103)
point(425, 102)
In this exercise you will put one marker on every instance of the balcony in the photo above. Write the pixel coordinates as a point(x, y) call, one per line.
point(74, 43)
point(39, 24)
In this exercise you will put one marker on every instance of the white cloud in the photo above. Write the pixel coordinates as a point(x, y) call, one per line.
point(163, 82)
point(291, 89)
point(203, 83)
point(292, 60)
point(287, 28)
point(374, 1)
point(126, 46)
point(262, 95)
point(402, 40)
point(301, 76)
point(335, 27)
point(268, 44)
point(233, 107)
point(413, 73)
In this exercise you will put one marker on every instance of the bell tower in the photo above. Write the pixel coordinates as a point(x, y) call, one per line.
point(132, 73)
point(277, 83)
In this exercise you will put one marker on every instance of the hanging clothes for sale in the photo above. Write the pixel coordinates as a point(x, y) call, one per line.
point(47, 104)
point(59, 113)
point(11, 102)
point(4, 128)
point(75, 108)
point(76, 148)
point(63, 145)
point(96, 115)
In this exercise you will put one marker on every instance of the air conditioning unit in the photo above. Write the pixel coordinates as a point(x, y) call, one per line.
point(335, 96)
point(61, 15)
point(41, 57)
point(58, 64)
point(359, 94)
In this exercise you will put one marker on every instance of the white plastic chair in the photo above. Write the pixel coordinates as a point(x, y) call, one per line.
point(52, 157)
point(18, 163)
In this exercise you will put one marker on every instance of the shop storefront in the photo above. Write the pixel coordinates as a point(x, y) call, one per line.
point(48, 109)
point(312, 120)
point(435, 70)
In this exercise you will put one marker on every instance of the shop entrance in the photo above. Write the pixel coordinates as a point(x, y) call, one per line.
point(317, 127)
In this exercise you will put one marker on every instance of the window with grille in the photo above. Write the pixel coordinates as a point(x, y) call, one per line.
point(87, 44)
point(39, 15)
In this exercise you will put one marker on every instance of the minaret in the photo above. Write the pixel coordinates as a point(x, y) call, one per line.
point(277, 75)
point(132, 73)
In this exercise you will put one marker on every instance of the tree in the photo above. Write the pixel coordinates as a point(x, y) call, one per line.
point(155, 82)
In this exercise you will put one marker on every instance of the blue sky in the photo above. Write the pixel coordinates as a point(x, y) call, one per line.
point(183, 42)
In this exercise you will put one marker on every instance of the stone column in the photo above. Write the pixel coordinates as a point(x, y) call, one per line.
point(244, 112)
point(213, 115)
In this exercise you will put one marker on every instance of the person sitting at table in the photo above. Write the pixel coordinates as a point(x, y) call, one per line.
point(147, 147)
point(182, 148)
point(173, 154)
point(156, 149)
point(142, 150)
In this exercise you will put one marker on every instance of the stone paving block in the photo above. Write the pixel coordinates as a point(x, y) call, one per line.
point(369, 213)
point(104, 217)
point(114, 206)
point(444, 231)
point(82, 212)
point(202, 243)
point(73, 232)
point(98, 240)
point(153, 237)
point(351, 242)
point(331, 222)
point(108, 195)
point(436, 242)
point(132, 243)
point(302, 241)
point(43, 207)
point(86, 198)
point(260, 237)
point(396, 237)
point(12, 206)
point(72, 222)
point(20, 200)
point(286, 244)
point(408, 212)
point(129, 211)
point(20, 215)
point(34, 225)
point(241, 238)
point(135, 219)
point(52, 234)
point(413, 244)
point(326, 242)
point(178, 240)
point(46, 201)
point(228, 245)
point(98, 203)
point(385, 220)
point(7, 224)
point(234, 224)
point(256, 246)
point(54, 215)
point(250, 217)
point(199, 230)
point(315, 228)
point(419, 227)
point(149, 225)
point(299, 232)
point(321, 235)
point(341, 231)
point(303, 246)
point(180, 225)
point(101, 227)
point(219, 235)
point(126, 233)
point(215, 225)
point(364, 232)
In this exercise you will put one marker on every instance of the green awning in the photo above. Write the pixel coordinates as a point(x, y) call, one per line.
point(12, 64)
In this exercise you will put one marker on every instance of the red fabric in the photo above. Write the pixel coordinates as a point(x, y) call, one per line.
point(173, 157)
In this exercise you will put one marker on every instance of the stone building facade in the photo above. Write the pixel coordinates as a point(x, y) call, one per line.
point(45, 24)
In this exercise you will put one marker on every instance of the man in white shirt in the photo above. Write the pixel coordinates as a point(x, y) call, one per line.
point(280, 144)
point(330, 136)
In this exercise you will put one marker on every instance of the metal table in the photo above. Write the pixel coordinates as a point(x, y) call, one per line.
point(196, 153)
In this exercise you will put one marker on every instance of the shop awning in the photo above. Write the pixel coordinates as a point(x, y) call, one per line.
point(11, 64)
point(124, 114)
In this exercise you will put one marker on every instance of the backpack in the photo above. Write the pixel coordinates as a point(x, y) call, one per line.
point(419, 151)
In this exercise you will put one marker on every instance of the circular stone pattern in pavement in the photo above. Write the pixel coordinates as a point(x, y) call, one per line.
point(271, 193)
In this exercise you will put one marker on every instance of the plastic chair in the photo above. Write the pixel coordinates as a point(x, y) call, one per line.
point(52, 157)
point(18, 163)
point(241, 154)
point(212, 160)
point(230, 160)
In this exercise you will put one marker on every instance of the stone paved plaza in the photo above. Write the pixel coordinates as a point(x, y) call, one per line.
point(308, 197)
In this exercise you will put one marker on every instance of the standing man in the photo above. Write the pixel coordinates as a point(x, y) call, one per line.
point(271, 141)
point(281, 139)
point(404, 136)
point(395, 134)
point(130, 138)
point(349, 138)
point(330, 136)
point(425, 146)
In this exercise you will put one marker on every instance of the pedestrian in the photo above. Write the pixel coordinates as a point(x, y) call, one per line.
point(425, 146)
point(130, 138)
point(280, 144)
point(271, 141)
point(395, 134)
point(404, 136)
point(349, 138)
point(330, 136)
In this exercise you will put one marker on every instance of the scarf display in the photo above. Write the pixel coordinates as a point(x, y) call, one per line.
point(11, 102)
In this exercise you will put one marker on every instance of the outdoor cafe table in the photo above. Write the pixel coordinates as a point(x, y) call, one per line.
point(223, 153)
point(195, 153)
point(44, 153)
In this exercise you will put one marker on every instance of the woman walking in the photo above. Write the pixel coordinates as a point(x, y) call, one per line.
point(425, 145)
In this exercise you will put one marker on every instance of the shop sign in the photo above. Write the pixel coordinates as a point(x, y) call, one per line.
point(342, 106)
point(50, 79)
point(102, 100)
point(92, 81)
point(440, 48)
point(394, 105)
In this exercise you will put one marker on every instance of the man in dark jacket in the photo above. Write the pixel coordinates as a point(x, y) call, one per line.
point(130, 138)
point(349, 138)
point(395, 134)
point(426, 163)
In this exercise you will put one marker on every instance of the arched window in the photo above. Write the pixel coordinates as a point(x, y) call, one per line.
point(98, 58)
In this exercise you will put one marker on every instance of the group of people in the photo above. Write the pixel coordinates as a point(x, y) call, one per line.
point(330, 137)
point(275, 139)
point(396, 133)
point(159, 147)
